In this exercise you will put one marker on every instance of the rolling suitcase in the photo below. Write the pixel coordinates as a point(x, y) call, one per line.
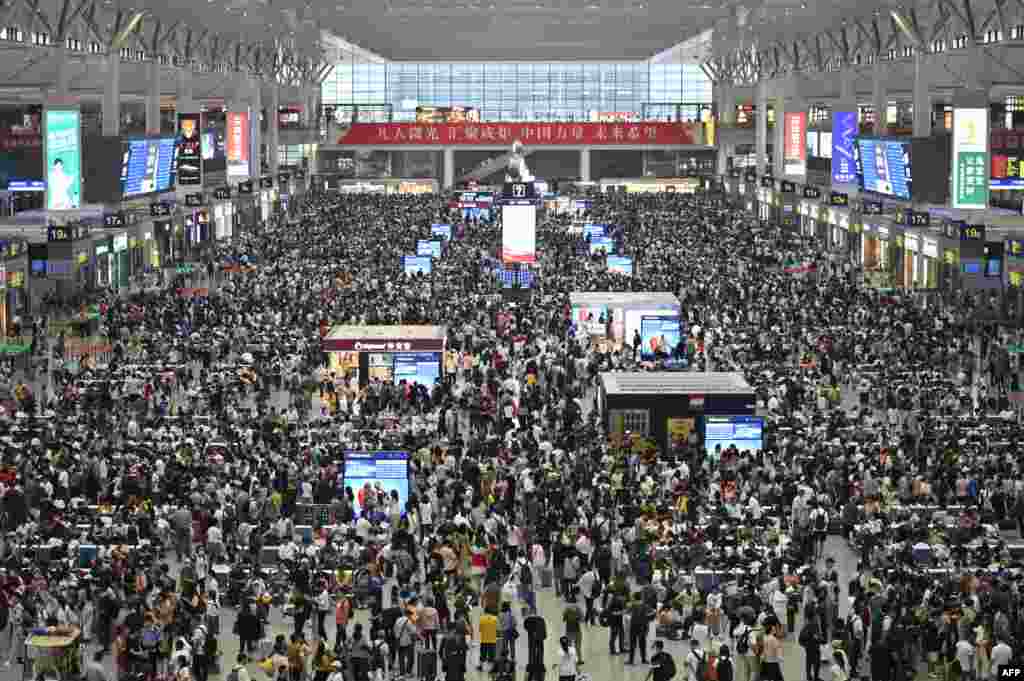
point(426, 665)
point(547, 578)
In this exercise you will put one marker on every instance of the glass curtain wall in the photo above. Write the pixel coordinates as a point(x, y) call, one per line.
point(562, 91)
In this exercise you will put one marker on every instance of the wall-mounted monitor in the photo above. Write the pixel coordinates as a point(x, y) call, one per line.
point(148, 166)
point(883, 166)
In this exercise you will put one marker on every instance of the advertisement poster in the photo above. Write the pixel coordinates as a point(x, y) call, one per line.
point(63, 159)
point(659, 336)
point(679, 430)
point(238, 144)
point(519, 233)
point(844, 130)
point(795, 149)
point(190, 151)
point(970, 158)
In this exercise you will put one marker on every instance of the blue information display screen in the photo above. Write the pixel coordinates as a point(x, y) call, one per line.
point(418, 367)
point(884, 166)
point(620, 263)
point(516, 278)
point(148, 166)
point(389, 468)
point(593, 230)
point(658, 335)
point(441, 230)
point(416, 264)
point(601, 243)
point(431, 248)
point(746, 432)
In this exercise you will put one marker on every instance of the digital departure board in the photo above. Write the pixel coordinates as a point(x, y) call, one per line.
point(148, 166)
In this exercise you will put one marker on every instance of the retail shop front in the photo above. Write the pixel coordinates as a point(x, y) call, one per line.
point(767, 199)
point(876, 256)
point(649, 185)
point(386, 353)
point(837, 229)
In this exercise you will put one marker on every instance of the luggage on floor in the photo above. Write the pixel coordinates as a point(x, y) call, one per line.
point(535, 672)
point(426, 665)
point(547, 578)
point(1008, 525)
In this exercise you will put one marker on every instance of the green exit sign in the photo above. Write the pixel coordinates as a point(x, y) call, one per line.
point(1015, 348)
point(185, 269)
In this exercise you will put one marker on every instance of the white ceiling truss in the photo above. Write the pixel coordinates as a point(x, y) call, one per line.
point(942, 31)
point(92, 30)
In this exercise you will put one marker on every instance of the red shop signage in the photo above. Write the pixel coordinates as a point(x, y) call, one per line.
point(384, 345)
point(527, 133)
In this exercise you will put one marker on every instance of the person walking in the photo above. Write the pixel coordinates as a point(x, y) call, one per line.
point(568, 662)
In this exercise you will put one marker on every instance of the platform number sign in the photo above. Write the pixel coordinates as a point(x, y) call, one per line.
point(518, 190)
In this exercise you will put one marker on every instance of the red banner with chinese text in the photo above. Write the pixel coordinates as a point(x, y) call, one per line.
point(528, 133)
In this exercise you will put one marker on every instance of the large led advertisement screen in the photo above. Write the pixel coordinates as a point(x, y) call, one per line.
point(148, 166)
point(190, 151)
point(970, 158)
point(883, 166)
point(519, 233)
point(63, 154)
point(659, 335)
point(794, 156)
point(390, 469)
point(237, 144)
point(844, 132)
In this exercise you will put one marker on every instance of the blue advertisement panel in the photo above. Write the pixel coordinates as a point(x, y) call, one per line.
point(389, 468)
point(602, 243)
point(659, 335)
point(622, 264)
point(430, 248)
point(416, 264)
point(417, 367)
point(441, 230)
point(592, 230)
point(746, 432)
point(844, 130)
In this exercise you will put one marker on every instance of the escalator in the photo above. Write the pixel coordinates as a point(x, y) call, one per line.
point(490, 166)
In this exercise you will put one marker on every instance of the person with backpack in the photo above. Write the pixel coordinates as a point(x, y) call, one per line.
point(663, 666)
point(696, 662)
point(723, 665)
point(527, 593)
point(590, 587)
point(819, 521)
point(746, 654)
point(239, 672)
point(453, 654)
point(810, 640)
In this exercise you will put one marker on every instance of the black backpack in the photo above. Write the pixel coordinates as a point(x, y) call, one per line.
point(526, 575)
point(821, 522)
point(743, 643)
point(670, 667)
point(595, 589)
